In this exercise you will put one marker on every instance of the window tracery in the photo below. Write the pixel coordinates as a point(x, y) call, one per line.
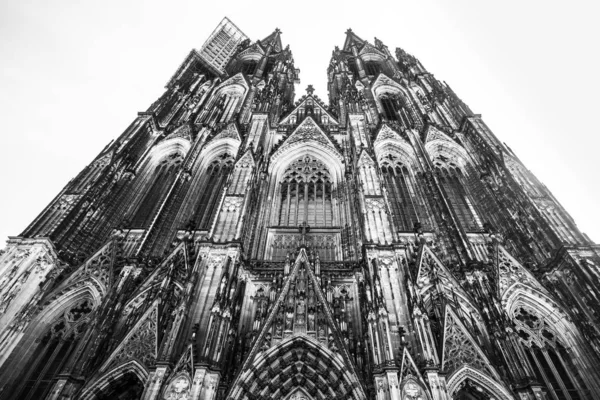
point(393, 107)
point(401, 192)
point(372, 68)
point(163, 176)
point(455, 186)
point(547, 356)
point(306, 194)
point(53, 350)
point(215, 177)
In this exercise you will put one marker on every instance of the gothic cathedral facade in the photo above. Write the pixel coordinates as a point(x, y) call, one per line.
point(236, 243)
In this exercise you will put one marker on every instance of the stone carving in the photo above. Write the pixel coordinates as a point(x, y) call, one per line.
point(510, 272)
point(66, 201)
point(233, 204)
point(179, 388)
point(141, 344)
point(230, 132)
point(460, 348)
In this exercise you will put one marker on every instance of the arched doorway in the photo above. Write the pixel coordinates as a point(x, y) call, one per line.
point(127, 387)
point(470, 390)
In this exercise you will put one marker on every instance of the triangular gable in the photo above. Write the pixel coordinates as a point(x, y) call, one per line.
point(103, 160)
point(510, 273)
point(430, 269)
point(460, 348)
point(352, 38)
point(237, 79)
point(365, 159)
point(383, 80)
point(186, 362)
point(274, 39)
point(285, 322)
point(409, 369)
point(434, 133)
point(368, 48)
point(316, 104)
point(98, 268)
point(308, 131)
point(245, 161)
point(182, 270)
point(388, 134)
point(231, 131)
point(428, 266)
point(183, 131)
point(140, 344)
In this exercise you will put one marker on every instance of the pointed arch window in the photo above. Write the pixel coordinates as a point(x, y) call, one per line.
point(214, 180)
point(249, 67)
point(401, 193)
point(454, 184)
point(372, 68)
point(53, 350)
point(161, 178)
point(306, 194)
point(390, 108)
point(352, 67)
point(547, 356)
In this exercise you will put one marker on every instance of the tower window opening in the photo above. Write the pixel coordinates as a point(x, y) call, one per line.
point(548, 358)
point(249, 67)
point(352, 66)
point(402, 201)
point(390, 108)
point(372, 68)
point(453, 183)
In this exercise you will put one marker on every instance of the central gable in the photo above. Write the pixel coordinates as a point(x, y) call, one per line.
point(307, 137)
point(310, 101)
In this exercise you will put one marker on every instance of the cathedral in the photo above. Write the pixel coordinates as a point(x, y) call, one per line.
point(240, 242)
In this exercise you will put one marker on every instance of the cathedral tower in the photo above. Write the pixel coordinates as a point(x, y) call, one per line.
point(237, 243)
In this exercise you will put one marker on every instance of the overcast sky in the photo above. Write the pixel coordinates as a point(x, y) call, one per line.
point(74, 74)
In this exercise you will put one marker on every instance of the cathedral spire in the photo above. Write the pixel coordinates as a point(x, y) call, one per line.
point(274, 39)
point(352, 39)
point(234, 243)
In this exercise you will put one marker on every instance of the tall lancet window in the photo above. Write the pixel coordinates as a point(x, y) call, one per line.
point(161, 178)
point(454, 184)
point(401, 193)
point(212, 186)
point(393, 109)
point(548, 357)
point(390, 108)
point(306, 194)
point(52, 352)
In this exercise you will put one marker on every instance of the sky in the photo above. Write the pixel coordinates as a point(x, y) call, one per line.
point(74, 74)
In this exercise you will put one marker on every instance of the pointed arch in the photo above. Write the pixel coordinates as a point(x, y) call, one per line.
point(397, 162)
point(299, 394)
point(432, 275)
point(106, 380)
point(165, 148)
point(555, 349)
point(307, 138)
point(490, 385)
point(48, 341)
point(448, 150)
point(383, 84)
point(458, 180)
point(297, 362)
point(211, 170)
point(157, 173)
point(226, 101)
